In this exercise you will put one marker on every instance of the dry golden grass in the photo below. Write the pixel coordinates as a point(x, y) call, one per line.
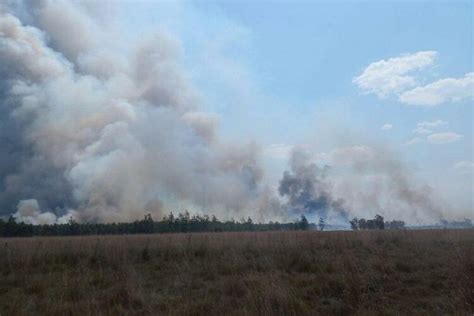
point(296, 273)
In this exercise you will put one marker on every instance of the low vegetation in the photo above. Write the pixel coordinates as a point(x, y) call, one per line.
point(286, 272)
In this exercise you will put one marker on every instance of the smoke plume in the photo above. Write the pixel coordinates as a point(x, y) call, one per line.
point(375, 180)
point(308, 190)
point(108, 135)
point(354, 181)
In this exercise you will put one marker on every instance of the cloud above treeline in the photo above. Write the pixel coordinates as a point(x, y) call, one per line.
point(427, 127)
point(446, 90)
point(429, 131)
point(398, 77)
point(394, 75)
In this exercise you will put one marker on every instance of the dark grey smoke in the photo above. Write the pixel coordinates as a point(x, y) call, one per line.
point(307, 189)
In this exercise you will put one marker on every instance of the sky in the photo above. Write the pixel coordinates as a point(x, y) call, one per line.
point(284, 73)
point(269, 109)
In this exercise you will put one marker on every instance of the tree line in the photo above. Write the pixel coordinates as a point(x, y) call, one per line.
point(180, 223)
point(376, 223)
point(171, 223)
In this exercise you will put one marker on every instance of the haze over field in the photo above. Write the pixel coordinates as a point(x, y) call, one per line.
point(112, 110)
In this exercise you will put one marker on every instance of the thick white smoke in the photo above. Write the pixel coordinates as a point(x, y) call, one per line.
point(29, 212)
point(111, 136)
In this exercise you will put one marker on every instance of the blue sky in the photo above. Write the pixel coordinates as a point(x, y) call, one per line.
point(283, 74)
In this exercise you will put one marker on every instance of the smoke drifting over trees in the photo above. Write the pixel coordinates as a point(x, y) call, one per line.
point(91, 130)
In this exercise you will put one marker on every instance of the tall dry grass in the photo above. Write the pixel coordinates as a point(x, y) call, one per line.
point(295, 273)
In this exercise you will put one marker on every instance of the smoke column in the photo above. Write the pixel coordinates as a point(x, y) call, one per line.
point(308, 190)
point(103, 136)
point(356, 180)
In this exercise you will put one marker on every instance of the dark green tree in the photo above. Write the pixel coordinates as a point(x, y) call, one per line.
point(362, 224)
point(378, 222)
point(303, 224)
point(354, 223)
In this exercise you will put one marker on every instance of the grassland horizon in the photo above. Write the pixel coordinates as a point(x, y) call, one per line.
point(242, 273)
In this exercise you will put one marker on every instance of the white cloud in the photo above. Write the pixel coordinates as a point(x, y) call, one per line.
point(386, 127)
point(389, 76)
point(443, 138)
point(441, 91)
point(464, 167)
point(432, 124)
point(429, 131)
point(427, 127)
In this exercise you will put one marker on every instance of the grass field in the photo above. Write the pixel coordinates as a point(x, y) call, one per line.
point(291, 273)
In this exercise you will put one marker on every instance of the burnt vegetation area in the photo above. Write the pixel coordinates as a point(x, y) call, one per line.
point(388, 272)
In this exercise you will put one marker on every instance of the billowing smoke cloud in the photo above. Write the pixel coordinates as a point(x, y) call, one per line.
point(308, 190)
point(108, 135)
point(372, 179)
point(28, 211)
point(355, 181)
point(352, 181)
